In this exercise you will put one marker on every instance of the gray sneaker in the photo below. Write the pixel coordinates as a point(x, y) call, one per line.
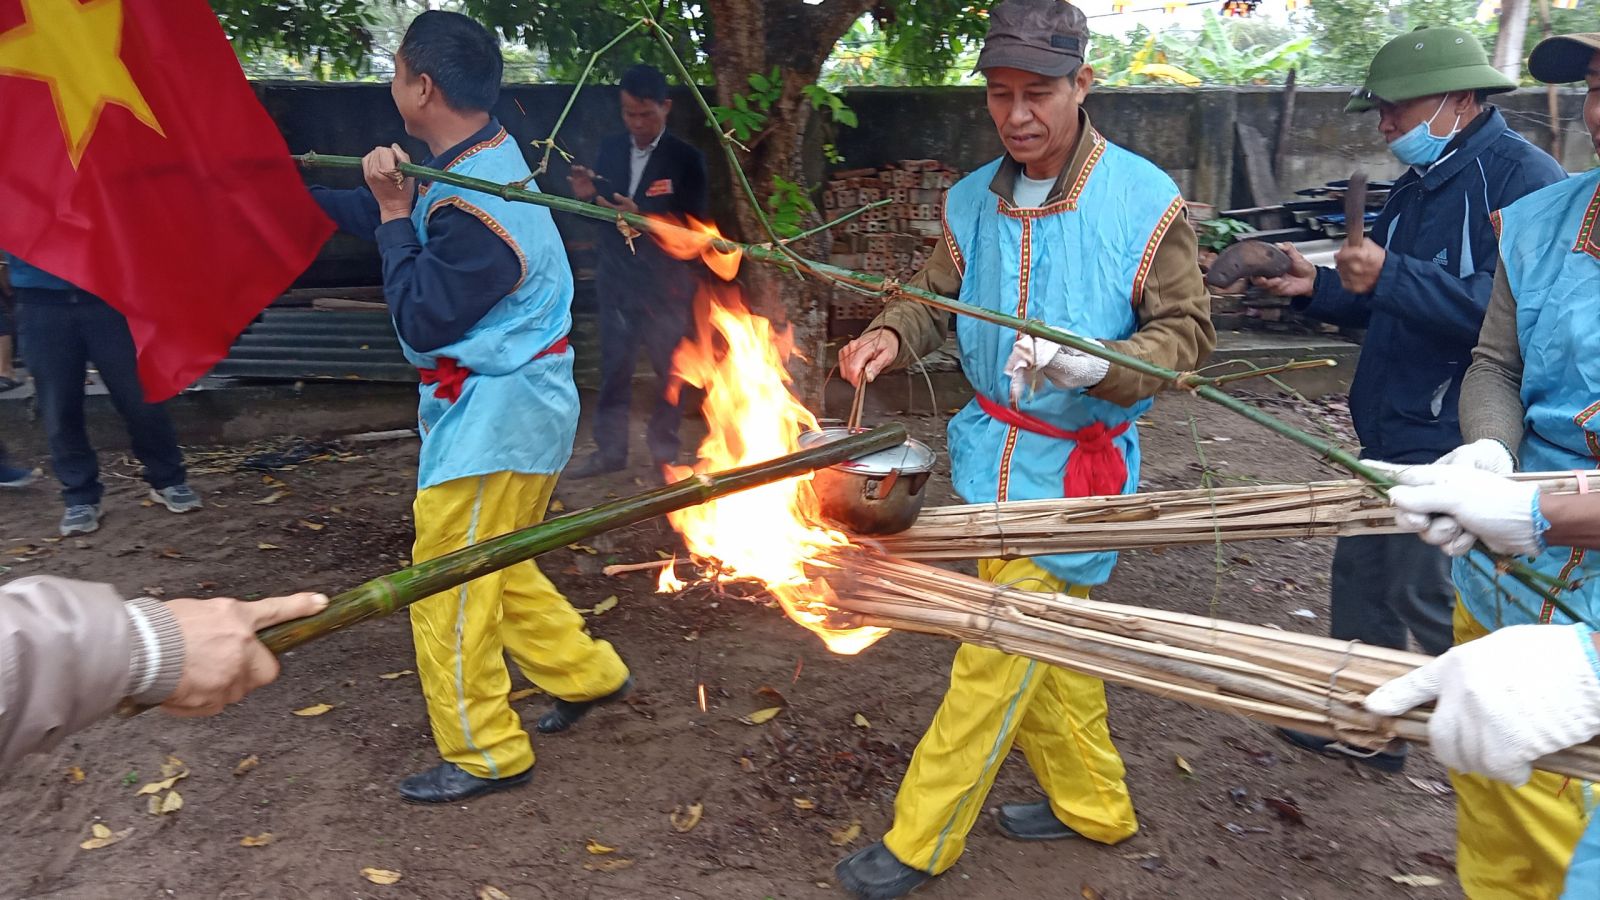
point(84, 519)
point(180, 498)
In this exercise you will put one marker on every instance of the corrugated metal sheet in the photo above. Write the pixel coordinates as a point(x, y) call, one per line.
point(299, 343)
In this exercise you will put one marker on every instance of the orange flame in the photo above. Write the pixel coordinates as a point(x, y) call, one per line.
point(768, 533)
point(697, 240)
point(669, 582)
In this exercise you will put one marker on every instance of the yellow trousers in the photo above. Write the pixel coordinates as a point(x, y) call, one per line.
point(1057, 717)
point(463, 635)
point(1514, 843)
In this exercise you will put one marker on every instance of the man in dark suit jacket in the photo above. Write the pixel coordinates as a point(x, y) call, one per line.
point(645, 296)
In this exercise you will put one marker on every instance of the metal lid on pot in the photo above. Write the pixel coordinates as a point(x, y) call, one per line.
point(909, 458)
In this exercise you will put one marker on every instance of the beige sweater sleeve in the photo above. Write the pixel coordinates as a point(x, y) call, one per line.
point(1491, 393)
point(70, 651)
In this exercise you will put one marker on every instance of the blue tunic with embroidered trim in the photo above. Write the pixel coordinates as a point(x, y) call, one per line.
point(1550, 247)
point(1078, 264)
point(518, 411)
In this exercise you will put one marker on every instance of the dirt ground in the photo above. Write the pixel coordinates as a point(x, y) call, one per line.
point(776, 797)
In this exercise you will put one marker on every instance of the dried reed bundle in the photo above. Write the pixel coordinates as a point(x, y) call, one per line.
point(1298, 681)
point(1158, 519)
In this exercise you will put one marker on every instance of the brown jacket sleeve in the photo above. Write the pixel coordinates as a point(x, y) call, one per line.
point(922, 328)
point(70, 651)
point(1491, 392)
point(1175, 329)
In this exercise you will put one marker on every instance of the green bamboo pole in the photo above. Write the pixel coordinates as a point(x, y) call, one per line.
point(388, 593)
point(1205, 387)
point(393, 592)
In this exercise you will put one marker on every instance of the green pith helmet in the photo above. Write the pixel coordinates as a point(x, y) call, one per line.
point(1425, 62)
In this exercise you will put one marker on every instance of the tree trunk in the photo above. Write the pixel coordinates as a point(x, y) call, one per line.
point(753, 36)
point(1513, 31)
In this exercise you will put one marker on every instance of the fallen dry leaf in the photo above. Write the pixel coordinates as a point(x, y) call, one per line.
point(313, 526)
point(1183, 766)
point(380, 876)
point(156, 787)
point(246, 764)
point(1089, 893)
point(583, 548)
point(803, 803)
point(1417, 880)
point(608, 865)
point(514, 696)
point(317, 710)
point(154, 806)
point(746, 764)
point(761, 716)
point(662, 554)
point(75, 775)
point(597, 848)
point(259, 840)
point(172, 803)
point(104, 837)
point(557, 506)
point(490, 892)
point(174, 766)
point(684, 820)
point(268, 547)
point(845, 835)
point(861, 721)
point(390, 676)
point(271, 498)
point(606, 605)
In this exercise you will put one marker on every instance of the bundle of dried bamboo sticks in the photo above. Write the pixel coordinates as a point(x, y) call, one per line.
point(1298, 681)
point(1158, 519)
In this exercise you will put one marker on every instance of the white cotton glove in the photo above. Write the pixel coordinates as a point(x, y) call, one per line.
point(1505, 700)
point(1486, 454)
point(1034, 358)
point(1453, 507)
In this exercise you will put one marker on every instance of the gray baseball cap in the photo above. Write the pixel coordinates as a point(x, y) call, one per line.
point(1047, 37)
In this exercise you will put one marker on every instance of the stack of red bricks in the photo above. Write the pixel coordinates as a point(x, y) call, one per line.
point(895, 239)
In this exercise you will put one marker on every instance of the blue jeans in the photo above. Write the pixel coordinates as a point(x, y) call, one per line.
point(628, 320)
point(61, 333)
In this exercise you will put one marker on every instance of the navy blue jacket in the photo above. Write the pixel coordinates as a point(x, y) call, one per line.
point(1424, 314)
point(673, 184)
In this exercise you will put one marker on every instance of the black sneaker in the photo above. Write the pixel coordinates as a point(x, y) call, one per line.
point(566, 713)
point(449, 783)
point(873, 873)
point(1391, 761)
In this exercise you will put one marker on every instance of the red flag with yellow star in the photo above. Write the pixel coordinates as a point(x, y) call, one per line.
point(136, 163)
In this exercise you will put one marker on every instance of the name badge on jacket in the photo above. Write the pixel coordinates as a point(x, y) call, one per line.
point(659, 188)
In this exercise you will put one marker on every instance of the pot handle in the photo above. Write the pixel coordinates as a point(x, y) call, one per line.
point(887, 484)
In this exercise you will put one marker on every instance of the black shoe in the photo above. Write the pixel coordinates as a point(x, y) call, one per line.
point(873, 873)
point(566, 713)
point(449, 783)
point(1391, 761)
point(1031, 822)
point(594, 465)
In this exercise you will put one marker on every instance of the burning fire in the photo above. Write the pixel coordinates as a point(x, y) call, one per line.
point(669, 582)
point(695, 240)
point(769, 533)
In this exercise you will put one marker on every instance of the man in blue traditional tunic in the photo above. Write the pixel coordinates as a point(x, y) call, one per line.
point(1072, 230)
point(481, 293)
point(1527, 683)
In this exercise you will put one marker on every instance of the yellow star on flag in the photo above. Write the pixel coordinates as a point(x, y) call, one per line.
point(75, 48)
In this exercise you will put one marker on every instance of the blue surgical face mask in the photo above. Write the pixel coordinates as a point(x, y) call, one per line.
point(1420, 146)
